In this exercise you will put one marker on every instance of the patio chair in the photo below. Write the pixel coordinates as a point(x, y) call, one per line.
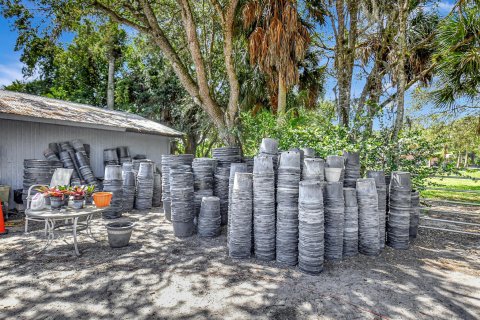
point(61, 177)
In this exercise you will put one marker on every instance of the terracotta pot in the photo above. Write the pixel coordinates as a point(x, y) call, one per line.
point(102, 199)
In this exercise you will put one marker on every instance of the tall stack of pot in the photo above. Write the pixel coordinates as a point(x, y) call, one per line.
point(37, 172)
point(157, 190)
point(113, 183)
point(240, 240)
point(350, 228)
point(269, 147)
point(264, 208)
point(287, 208)
point(352, 169)
point(225, 157)
point(182, 200)
point(381, 186)
point(209, 220)
point(129, 182)
point(368, 224)
point(398, 226)
point(234, 168)
point(203, 169)
point(144, 191)
point(334, 208)
point(167, 162)
point(414, 214)
point(311, 227)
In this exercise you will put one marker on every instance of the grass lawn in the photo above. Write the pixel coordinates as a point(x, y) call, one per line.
point(460, 184)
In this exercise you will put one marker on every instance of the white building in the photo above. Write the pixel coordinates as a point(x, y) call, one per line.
point(29, 123)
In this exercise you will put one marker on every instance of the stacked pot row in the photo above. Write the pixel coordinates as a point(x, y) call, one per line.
point(203, 170)
point(264, 207)
point(398, 225)
point(113, 182)
point(144, 190)
point(182, 200)
point(225, 157)
point(288, 180)
point(240, 239)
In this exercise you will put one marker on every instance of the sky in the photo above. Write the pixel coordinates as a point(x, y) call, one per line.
point(11, 67)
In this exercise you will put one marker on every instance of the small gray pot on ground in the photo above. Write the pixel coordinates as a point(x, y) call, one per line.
point(119, 233)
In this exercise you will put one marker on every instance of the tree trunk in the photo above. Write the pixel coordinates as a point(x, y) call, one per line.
point(459, 159)
point(111, 83)
point(190, 142)
point(282, 97)
point(402, 79)
point(465, 164)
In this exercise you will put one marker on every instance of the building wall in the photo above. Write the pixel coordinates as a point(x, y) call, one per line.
point(21, 140)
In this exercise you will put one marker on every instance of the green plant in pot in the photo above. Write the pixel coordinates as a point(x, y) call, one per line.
point(89, 190)
point(56, 197)
point(78, 194)
point(66, 190)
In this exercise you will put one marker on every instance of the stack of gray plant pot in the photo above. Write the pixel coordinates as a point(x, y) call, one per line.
point(334, 208)
point(414, 214)
point(311, 227)
point(313, 169)
point(37, 172)
point(203, 169)
point(182, 197)
point(209, 220)
point(352, 169)
point(157, 190)
point(264, 208)
point(250, 162)
point(269, 147)
point(50, 155)
point(225, 157)
point(79, 147)
point(240, 240)
point(350, 228)
point(368, 224)
point(167, 162)
point(336, 165)
point(129, 181)
point(381, 186)
point(110, 157)
point(123, 154)
point(234, 168)
point(287, 208)
point(113, 183)
point(398, 226)
point(144, 194)
point(302, 157)
point(68, 162)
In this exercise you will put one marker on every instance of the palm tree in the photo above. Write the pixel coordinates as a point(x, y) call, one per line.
point(458, 60)
point(277, 44)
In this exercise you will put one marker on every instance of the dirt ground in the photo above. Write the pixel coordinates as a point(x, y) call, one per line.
point(160, 276)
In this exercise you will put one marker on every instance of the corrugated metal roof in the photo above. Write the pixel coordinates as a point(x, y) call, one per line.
point(31, 106)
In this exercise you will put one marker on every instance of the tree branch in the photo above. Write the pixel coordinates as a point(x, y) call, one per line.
point(117, 18)
point(219, 9)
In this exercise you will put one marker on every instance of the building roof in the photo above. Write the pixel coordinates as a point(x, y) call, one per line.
point(22, 106)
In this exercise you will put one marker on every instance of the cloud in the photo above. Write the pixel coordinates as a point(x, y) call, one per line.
point(9, 73)
point(444, 6)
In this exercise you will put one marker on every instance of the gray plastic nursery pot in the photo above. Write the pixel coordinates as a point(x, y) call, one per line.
point(167, 208)
point(119, 233)
point(183, 229)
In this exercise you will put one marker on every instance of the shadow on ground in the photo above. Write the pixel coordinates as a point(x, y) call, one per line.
point(160, 276)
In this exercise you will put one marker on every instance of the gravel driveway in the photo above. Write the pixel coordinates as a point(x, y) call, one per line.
point(159, 276)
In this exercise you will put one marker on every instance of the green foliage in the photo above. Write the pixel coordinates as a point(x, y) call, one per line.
point(315, 129)
point(458, 60)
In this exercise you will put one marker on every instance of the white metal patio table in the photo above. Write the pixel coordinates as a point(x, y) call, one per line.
point(73, 221)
